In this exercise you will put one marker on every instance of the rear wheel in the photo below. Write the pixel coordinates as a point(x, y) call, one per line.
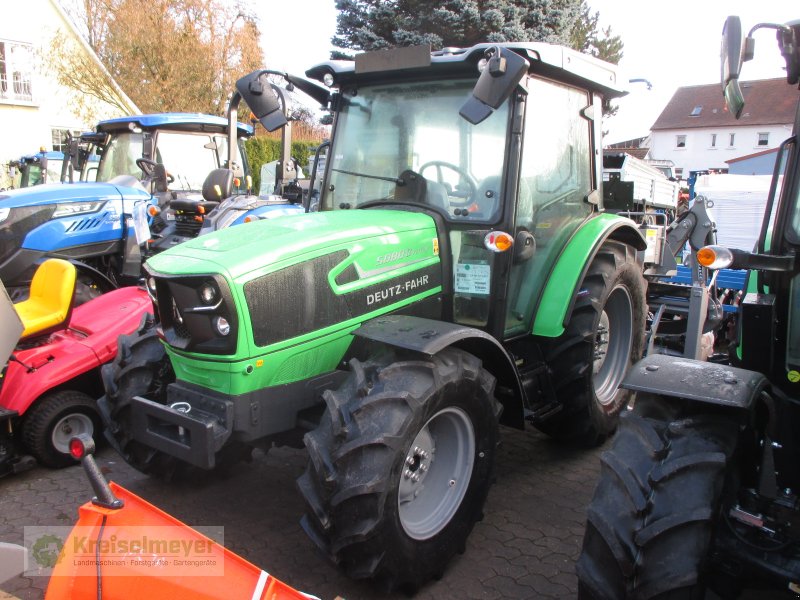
point(56, 418)
point(399, 467)
point(651, 520)
point(603, 338)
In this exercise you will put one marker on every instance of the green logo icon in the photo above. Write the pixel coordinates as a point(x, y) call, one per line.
point(793, 376)
point(46, 551)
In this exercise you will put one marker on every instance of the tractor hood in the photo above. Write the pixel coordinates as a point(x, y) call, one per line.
point(239, 291)
point(265, 245)
point(57, 193)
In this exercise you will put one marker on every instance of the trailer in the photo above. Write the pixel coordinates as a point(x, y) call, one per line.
point(650, 187)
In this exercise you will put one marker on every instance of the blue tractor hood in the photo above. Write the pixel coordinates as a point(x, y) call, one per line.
point(57, 193)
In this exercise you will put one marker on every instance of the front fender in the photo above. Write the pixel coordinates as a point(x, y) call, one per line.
point(430, 336)
point(558, 297)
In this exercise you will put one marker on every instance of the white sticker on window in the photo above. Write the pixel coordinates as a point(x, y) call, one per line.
point(473, 278)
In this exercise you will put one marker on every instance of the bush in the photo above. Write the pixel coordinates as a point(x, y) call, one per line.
point(264, 149)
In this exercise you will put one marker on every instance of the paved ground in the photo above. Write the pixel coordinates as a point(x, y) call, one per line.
point(525, 547)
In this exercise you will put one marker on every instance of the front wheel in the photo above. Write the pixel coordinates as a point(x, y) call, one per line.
point(140, 368)
point(651, 520)
point(603, 338)
point(400, 465)
point(55, 419)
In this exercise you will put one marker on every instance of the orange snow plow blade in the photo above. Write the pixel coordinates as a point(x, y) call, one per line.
point(145, 553)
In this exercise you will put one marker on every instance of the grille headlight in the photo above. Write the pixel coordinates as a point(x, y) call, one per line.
point(222, 326)
point(77, 208)
point(208, 293)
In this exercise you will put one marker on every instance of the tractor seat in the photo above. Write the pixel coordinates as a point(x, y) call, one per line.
point(192, 205)
point(49, 302)
point(218, 185)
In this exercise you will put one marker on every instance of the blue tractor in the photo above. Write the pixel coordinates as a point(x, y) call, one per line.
point(157, 179)
point(36, 169)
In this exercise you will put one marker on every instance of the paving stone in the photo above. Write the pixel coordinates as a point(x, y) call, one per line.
point(525, 547)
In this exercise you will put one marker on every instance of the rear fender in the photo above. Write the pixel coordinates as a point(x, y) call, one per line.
point(558, 298)
point(430, 336)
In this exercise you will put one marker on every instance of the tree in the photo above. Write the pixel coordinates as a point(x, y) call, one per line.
point(377, 24)
point(167, 55)
point(586, 37)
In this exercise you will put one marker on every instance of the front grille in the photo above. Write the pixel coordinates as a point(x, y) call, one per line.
point(186, 322)
point(19, 222)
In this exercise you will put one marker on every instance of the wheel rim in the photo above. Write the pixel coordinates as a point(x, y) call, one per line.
point(68, 427)
point(612, 344)
point(436, 473)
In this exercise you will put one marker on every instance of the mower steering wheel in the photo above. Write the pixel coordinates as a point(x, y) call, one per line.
point(148, 167)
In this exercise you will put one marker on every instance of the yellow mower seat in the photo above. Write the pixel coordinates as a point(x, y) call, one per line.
point(49, 302)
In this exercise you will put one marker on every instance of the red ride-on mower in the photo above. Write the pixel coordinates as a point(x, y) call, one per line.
point(51, 357)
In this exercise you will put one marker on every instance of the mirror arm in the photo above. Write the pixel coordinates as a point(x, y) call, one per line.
point(233, 116)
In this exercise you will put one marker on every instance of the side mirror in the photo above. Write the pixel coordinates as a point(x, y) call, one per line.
point(502, 72)
point(74, 152)
point(257, 92)
point(731, 58)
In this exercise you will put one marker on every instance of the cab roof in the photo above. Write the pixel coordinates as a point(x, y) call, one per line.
point(179, 121)
point(548, 60)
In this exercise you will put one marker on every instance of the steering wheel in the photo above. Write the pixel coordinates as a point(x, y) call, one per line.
point(463, 175)
point(149, 166)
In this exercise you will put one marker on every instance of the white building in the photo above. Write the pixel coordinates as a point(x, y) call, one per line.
point(696, 132)
point(35, 109)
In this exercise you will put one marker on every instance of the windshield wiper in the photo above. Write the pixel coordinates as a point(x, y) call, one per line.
point(394, 180)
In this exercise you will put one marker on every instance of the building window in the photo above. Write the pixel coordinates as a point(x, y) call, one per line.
point(731, 139)
point(16, 68)
point(696, 111)
point(59, 138)
point(680, 141)
point(713, 140)
point(678, 173)
point(763, 139)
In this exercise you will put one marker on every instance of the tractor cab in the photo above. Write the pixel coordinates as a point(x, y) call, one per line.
point(483, 139)
point(36, 169)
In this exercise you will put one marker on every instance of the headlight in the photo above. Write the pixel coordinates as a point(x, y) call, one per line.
point(222, 326)
point(208, 293)
point(4, 214)
point(77, 208)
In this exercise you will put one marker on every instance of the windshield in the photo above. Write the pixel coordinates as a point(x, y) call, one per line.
point(119, 156)
point(793, 233)
point(188, 157)
point(383, 131)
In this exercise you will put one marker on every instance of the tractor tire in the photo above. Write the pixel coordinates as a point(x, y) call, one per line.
point(53, 420)
point(603, 338)
point(140, 368)
point(400, 465)
point(651, 520)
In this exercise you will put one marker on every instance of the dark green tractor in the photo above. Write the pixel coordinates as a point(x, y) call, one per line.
point(461, 273)
point(699, 489)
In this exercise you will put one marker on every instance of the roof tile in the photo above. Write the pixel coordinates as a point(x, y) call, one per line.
point(767, 103)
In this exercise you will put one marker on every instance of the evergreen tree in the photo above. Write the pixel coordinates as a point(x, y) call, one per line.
point(376, 24)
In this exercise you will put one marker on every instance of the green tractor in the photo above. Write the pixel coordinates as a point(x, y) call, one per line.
point(461, 273)
point(700, 488)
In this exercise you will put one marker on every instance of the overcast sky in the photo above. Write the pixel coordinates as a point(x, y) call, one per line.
point(673, 43)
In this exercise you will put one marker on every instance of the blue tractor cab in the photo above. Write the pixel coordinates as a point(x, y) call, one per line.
point(36, 169)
